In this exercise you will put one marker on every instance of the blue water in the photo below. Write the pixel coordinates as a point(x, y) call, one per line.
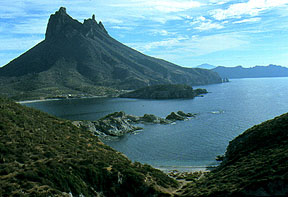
point(224, 113)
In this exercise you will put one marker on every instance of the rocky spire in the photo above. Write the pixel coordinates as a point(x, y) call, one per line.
point(60, 23)
point(62, 10)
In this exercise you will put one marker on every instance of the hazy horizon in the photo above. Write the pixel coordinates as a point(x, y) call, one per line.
point(188, 33)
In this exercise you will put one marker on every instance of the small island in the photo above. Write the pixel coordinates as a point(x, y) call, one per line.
point(167, 91)
point(119, 123)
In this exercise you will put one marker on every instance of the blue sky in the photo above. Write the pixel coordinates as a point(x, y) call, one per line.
point(186, 32)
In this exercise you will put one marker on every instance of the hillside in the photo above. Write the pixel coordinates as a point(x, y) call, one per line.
point(82, 58)
point(45, 156)
point(254, 72)
point(41, 155)
point(172, 91)
point(255, 164)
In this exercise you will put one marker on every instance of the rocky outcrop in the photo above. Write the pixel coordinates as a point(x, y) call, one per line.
point(168, 91)
point(115, 124)
point(180, 115)
point(120, 123)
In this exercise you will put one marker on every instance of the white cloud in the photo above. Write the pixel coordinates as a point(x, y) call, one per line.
point(204, 24)
point(160, 32)
point(192, 46)
point(164, 18)
point(251, 8)
point(249, 20)
point(173, 6)
point(197, 46)
point(219, 2)
point(165, 6)
point(209, 25)
point(30, 26)
point(113, 21)
point(121, 27)
point(169, 43)
point(18, 44)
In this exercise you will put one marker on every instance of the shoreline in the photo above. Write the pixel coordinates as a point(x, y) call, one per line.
point(167, 169)
point(57, 99)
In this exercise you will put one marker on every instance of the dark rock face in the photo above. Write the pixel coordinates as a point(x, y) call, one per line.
point(170, 91)
point(61, 25)
point(78, 58)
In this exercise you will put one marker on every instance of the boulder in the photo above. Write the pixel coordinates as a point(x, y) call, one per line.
point(150, 118)
point(175, 116)
point(180, 115)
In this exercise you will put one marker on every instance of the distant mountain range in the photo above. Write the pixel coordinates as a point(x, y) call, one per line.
point(81, 58)
point(206, 66)
point(254, 72)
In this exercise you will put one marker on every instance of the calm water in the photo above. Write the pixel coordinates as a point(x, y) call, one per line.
point(224, 113)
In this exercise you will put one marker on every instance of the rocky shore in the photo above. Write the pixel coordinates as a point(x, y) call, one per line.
point(120, 123)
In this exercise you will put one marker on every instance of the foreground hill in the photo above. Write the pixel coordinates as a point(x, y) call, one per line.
point(41, 155)
point(81, 58)
point(45, 156)
point(255, 164)
point(254, 72)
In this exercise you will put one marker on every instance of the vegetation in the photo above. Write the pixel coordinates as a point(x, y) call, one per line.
point(255, 163)
point(166, 91)
point(41, 155)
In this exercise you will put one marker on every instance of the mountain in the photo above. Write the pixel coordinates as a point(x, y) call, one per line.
point(206, 66)
point(254, 72)
point(255, 164)
point(41, 155)
point(82, 58)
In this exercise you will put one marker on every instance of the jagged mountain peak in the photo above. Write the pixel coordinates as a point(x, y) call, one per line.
point(81, 58)
point(63, 25)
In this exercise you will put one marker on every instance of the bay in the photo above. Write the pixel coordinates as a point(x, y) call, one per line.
point(224, 113)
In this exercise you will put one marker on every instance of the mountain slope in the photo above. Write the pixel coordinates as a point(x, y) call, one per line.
point(45, 156)
point(254, 72)
point(82, 58)
point(255, 164)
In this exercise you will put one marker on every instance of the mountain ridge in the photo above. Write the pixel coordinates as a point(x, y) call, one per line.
point(253, 72)
point(83, 58)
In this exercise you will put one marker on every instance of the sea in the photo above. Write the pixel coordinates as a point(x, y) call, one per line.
point(222, 114)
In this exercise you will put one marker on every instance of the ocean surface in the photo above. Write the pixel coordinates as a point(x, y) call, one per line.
point(224, 113)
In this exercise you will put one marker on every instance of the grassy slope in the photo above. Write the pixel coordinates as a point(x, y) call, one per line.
point(256, 163)
point(42, 155)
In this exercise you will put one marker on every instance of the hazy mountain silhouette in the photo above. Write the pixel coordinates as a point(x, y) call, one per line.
point(206, 66)
point(82, 58)
point(254, 72)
